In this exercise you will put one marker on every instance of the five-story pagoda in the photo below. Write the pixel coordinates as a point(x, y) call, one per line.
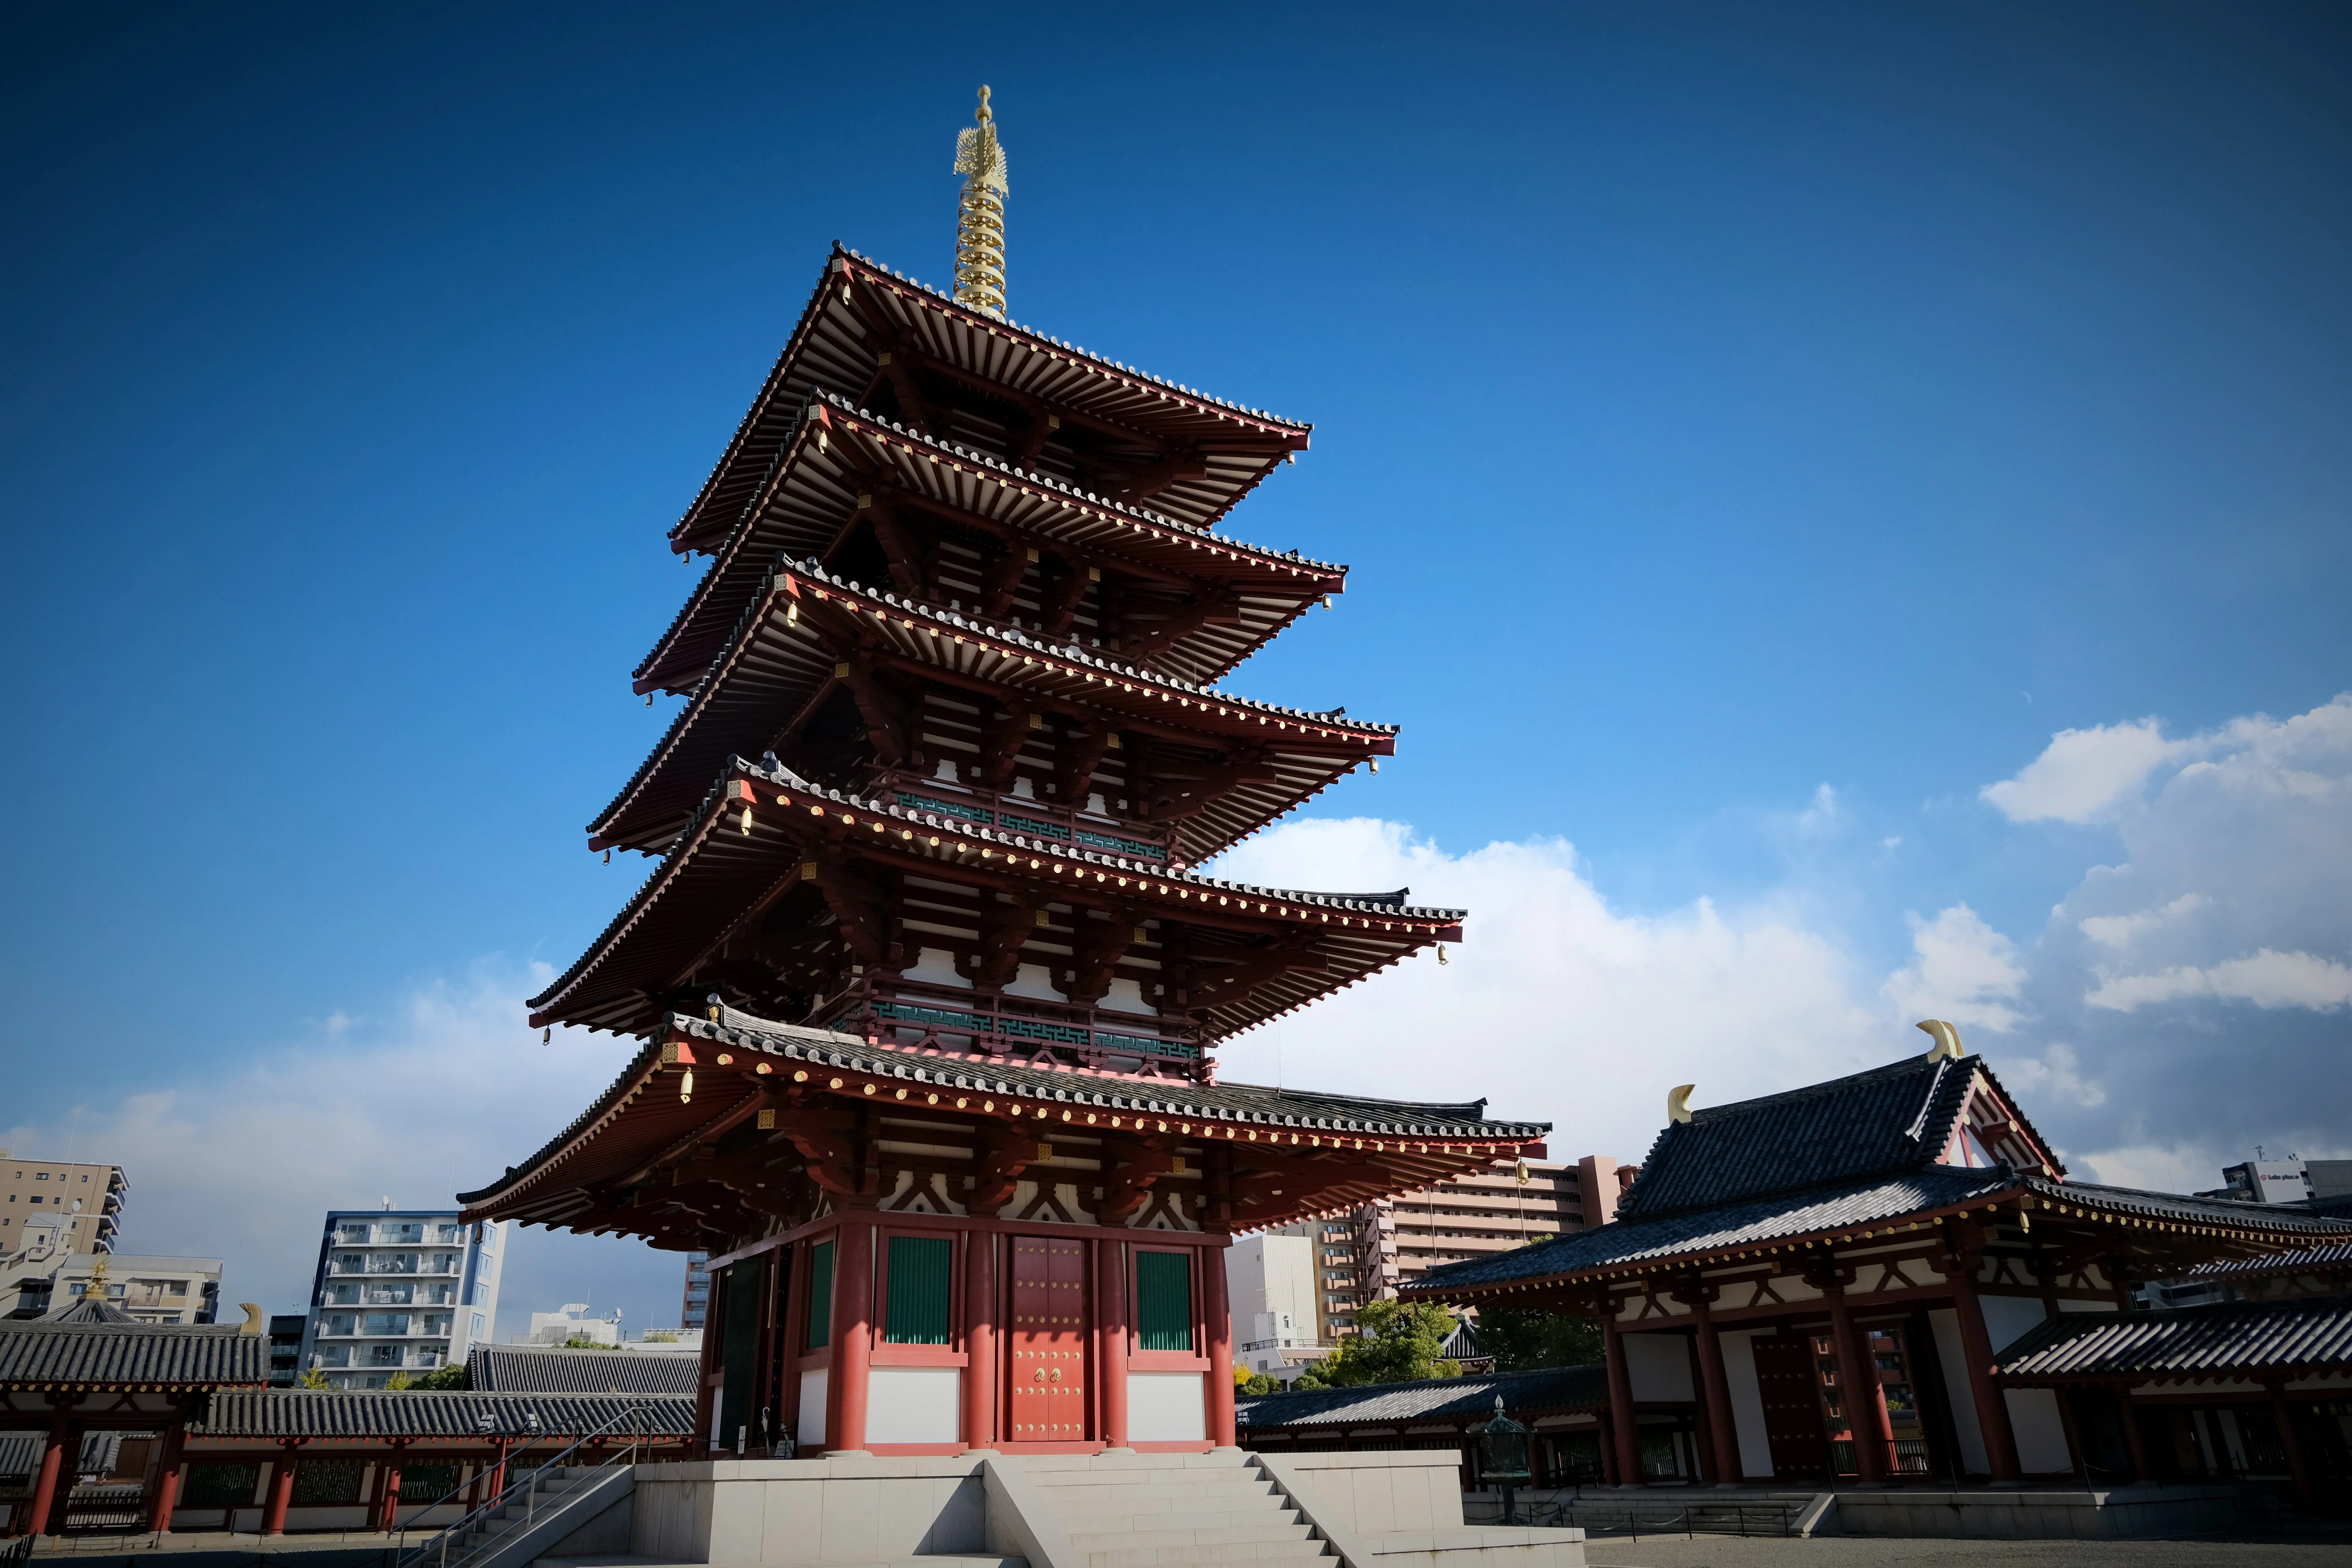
point(929, 991)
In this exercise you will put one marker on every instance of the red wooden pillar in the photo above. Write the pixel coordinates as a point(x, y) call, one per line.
point(706, 1380)
point(1621, 1425)
point(2296, 1467)
point(1716, 1389)
point(2134, 1444)
point(166, 1495)
point(498, 1473)
point(281, 1488)
point(853, 1334)
point(44, 1486)
point(388, 1501)
point(1976, 1346)
point(979, 1340)
point(1110, 1290)
point(1220, 1344)
point(1864, 1400)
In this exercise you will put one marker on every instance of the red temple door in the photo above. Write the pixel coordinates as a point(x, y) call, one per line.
point(1793, 1405)
point(1047, 1359)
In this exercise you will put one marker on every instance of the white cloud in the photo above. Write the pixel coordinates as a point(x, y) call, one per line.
point(2122, 930)
point(2267, 978)
point(2055, 1076)
point(2153, 1167)
point(2083, 774)
point(1962, 971)
point(436, 1097)
point(1559, 1007)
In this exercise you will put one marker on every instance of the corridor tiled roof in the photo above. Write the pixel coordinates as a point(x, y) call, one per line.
point(43, 1356)
point(519, 1369)
point(1541, 1390)
point(1763, 1220)
point(2234, 1339)
point(428, 1413)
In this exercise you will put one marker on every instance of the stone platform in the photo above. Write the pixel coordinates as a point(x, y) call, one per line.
point(1112, 1510)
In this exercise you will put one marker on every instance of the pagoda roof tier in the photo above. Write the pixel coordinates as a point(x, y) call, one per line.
point(746, 845)
point(838, 458)
point(786, 659)
point(1191, 455)
point(1328, 1152)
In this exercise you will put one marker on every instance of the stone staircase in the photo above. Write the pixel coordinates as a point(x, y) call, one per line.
point(527, 1527)
point(1172, 1511)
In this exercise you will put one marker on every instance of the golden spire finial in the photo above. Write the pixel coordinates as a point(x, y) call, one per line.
point(980, 219)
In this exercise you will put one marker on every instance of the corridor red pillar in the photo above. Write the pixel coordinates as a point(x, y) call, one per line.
point(2304, 1491)
point(281, 1488)
point(45, 1485)
point(166, 1495)
point(1863, 1401)
point(1715, 1387)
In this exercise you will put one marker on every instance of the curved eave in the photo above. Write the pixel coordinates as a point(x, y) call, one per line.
point(789, 638)
point(641, 1120)
point(720, 870)
point(834, 345)
point(811, 494)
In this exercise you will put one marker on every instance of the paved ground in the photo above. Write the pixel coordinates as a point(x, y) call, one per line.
point(1861, 1551)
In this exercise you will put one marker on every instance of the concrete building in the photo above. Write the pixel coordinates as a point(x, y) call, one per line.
point(88, 1198)
point(400, 1292)
point(570, 1322)
point(698, 1292)
point(1383, 1245)
point(286, 1348)
point(1270, 1288)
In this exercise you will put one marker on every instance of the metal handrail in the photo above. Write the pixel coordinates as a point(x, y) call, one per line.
point(527, 1483)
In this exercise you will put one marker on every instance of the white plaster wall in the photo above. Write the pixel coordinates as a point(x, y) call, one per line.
point(2007, 1317)
point(1954, 1364)
point(1127, 996)
point(913, 1404)
point(1167, 1407)
point(1033, 981)
point(809, 1432)
point(1660, 1366)
point(938, 969)
point(1746, 1403)
point(2041, 1430)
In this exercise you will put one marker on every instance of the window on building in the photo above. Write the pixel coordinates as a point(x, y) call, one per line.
point(915, 1308)
point(820, 1309)
point(1163, 1301)
point(479, 1326)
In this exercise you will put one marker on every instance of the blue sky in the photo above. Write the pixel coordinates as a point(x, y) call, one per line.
point(1755, 431)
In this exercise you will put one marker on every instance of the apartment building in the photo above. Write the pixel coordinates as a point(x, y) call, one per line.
point(400, 1292)
point(1366, 1256)
point(85, 1199)
point(151, 1290)
point(698, 1292)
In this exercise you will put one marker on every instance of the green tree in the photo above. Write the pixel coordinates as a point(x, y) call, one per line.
point(1255, 1383)
point(1520, 1340)
point(398, 1380)
point(455, 1375)
point(1394, 1343)
point(580, 1342)
point(314, 1378)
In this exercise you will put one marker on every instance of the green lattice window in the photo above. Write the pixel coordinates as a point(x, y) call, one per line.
point(422, 1484)
point(329, 1480)
point(1163, 1301)
point(820, 1300)
point(915, 1310)
point(220, 1485)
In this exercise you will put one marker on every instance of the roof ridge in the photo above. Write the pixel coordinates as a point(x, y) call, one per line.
point(1046, 340)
